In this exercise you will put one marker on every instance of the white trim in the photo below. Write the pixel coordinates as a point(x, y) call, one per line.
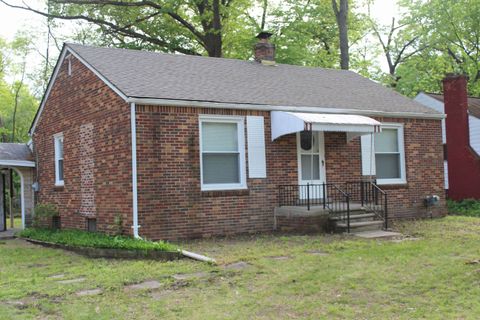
point(17, 163)
point(265, 107)
point(401, 150)
point(66, 49)
point(240, 121)
point(56, 139)
point(133, 127)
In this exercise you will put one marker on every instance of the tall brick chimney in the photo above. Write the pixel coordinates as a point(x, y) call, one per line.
point(463, 162)
point(264, 50)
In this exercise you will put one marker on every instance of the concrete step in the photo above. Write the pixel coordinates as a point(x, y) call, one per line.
point(356, 217)
point(360, 226)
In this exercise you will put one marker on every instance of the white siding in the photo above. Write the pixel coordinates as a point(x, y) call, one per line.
point(368, 155)
point(474, 125)
point(434, 104)
point(257, 165)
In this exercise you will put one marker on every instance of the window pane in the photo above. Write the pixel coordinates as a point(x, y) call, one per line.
point(388, 166)
point(310, 172)
point(60, 148)
point(219, 136)
point(221, 168)
point(60, 170)
point(386, 141)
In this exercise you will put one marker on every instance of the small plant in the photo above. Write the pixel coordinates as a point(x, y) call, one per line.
point(117, 224)
point(44, 213)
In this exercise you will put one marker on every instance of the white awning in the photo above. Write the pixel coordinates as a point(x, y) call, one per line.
point(290, 122)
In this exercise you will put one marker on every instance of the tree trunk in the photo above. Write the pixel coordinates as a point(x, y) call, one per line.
point(341, 14)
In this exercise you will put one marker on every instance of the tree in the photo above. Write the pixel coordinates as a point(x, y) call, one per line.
point(451, 30)
point(341, 15)
point(186, 26)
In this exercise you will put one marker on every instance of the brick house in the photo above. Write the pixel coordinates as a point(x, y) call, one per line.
point(172, 146)
point(460, 136)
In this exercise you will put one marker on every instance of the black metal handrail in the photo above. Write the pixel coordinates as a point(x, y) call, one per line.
point(327, 195)
point(371, 197)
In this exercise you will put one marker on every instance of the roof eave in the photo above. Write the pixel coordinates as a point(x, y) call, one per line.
point(264, 107)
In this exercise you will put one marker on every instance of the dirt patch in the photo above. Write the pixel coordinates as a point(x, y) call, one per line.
point(159, 295)
point(317, 253)
point(279, 258)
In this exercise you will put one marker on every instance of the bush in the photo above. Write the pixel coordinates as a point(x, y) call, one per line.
point(78, 238)
point(467, 207)
point(44, 212)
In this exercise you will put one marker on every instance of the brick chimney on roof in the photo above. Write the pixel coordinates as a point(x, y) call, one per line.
point(264, 50)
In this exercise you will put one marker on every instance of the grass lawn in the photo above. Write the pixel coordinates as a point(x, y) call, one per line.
point(287, 277)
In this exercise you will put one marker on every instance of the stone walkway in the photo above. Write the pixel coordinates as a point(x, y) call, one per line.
point(378, 234)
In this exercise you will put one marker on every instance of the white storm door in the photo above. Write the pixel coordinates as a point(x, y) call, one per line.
point(311, 166)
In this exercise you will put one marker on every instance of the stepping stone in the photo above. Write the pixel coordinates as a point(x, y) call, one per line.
point(57, 276)
point(159, 295)
point(70, 281)
point(151, 284)
point(237, 266)
point(317, 253)
point(91, 292)
point(279, 258)
point(377, 234)
point(188, 276)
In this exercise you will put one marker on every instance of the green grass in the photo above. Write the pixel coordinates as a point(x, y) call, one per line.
point(433, 277)
point(78, 238)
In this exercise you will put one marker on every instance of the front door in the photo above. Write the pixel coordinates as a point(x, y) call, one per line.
point(311, 163)
point(3, 216)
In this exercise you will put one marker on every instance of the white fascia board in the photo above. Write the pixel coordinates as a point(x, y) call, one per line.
point(17, 163)
point(67, 50)
point(262, 107)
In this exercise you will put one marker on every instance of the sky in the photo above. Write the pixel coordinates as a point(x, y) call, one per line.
point(14, 20)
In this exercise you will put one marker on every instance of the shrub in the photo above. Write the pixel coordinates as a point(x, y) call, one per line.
point(79, 238)
point(467, 207)
point(44, 212)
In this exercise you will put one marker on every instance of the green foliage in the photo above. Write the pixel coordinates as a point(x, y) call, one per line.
point(78, 238)
point(467, 207)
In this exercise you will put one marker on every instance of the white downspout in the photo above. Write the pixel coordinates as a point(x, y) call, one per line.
point(133, 126)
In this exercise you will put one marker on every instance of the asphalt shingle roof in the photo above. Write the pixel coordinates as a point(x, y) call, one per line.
point(143, 74)
point(15, 151)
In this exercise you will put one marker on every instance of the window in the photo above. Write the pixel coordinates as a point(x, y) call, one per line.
point(222, 153)
point(58, 143)
point(390, 155)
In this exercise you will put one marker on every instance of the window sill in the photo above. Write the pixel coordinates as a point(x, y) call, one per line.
point(393, 185)
point(58, 187)
point(225, 193)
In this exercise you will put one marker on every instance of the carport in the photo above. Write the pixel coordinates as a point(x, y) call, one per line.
point(18, 157)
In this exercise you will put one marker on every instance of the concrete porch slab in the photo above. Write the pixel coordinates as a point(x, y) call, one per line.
point(377, 234)
point(9, 234)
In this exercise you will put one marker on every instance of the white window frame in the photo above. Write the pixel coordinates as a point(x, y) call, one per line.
point(56, 139)
point(401, 150)
point(240, 121)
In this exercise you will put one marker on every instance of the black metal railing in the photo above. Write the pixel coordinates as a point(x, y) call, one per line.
point(326, 195)
point(371, 197)
point(337, 198)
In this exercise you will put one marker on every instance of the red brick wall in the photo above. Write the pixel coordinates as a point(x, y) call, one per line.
point(97, 156)
point(171, 204)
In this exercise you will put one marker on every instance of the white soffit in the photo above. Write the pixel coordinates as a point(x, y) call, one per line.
point(290, 122)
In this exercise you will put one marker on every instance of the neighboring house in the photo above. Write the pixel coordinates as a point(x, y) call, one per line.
point(174, 146)
point(460, 136)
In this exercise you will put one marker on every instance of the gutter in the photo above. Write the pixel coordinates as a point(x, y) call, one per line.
point(133, 127)
point(265, 107)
